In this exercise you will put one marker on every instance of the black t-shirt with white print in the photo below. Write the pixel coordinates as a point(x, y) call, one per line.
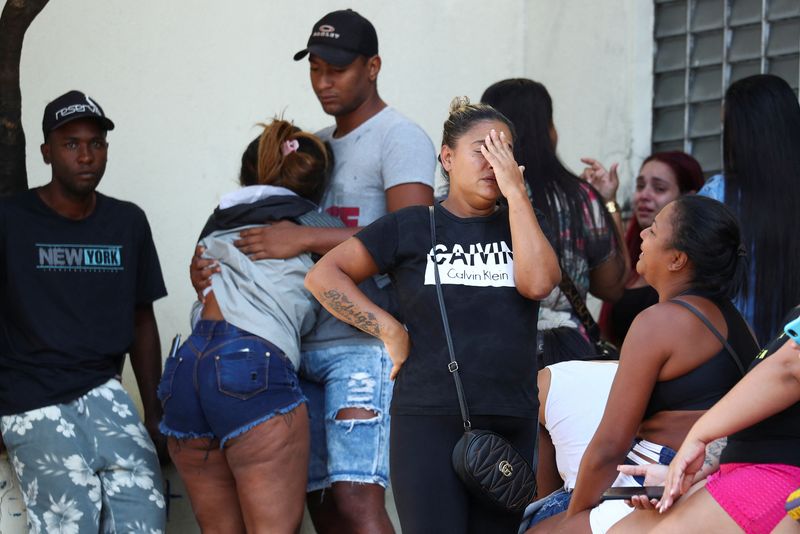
point(68, 294)
point(493, 326)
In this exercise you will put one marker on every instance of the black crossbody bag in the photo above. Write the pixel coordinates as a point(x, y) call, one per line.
point(488, 465)
point(603, 349)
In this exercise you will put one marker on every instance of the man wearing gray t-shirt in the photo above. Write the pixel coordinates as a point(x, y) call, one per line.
point(382, 162)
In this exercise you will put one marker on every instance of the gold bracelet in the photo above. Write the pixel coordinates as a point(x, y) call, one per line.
point(612, 206)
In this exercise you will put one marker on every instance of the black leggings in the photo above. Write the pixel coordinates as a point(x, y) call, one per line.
point(429, 496)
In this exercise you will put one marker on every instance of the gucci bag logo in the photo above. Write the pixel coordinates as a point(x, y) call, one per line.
point(506, 468)
point(493, 470)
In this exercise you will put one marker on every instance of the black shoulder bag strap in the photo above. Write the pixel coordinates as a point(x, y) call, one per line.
point(714, 331)
point(578, 303)
point(453, 365)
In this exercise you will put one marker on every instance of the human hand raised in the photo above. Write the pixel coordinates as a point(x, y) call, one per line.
point(682, 470)
point(605, 181)
point(497, 151)
point(281, 240)
point(200, 271)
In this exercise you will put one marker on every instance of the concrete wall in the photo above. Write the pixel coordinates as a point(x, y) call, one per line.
point(186, 81)
point(596, 59)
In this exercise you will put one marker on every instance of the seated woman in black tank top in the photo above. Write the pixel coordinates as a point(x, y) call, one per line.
point(704, 385)
point(758, 469)
point(692, 253)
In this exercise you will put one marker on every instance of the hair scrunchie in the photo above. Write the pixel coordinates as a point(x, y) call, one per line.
point(289, 146)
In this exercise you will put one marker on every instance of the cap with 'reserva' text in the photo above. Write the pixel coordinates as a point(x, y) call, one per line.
point(70, 106)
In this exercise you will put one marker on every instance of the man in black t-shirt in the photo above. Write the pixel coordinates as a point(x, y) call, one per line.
point(78, 277)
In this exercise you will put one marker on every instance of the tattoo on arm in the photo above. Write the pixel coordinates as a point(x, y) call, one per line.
point(713, 452)
point(345, 309)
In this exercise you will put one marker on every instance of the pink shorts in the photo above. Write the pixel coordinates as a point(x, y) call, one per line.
point(754, 495)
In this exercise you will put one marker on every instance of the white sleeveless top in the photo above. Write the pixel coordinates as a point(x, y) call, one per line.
point(573, 409)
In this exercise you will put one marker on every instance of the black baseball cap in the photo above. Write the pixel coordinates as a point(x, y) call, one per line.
point(340, 37)
point(69, 107)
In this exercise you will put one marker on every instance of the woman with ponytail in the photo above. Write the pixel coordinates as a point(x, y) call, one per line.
point(234, 414)
point(673, 367)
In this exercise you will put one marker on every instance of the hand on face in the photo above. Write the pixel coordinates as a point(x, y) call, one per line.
point(497, 151)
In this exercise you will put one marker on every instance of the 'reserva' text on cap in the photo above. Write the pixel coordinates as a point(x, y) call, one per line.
point(70, 106)
point(340, 37)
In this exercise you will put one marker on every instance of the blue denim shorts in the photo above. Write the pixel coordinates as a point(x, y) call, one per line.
point(223, 381)
point(548, 506)
point(347, 450)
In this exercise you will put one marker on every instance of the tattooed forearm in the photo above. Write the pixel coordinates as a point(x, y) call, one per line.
point(713, 452)
point(343, 308)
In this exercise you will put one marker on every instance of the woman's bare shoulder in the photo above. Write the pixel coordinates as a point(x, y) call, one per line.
point(663, 317)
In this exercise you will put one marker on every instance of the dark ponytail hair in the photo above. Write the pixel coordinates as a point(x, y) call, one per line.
point(303, 170)
point(708, 232)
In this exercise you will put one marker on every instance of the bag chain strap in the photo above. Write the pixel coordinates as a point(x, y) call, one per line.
point(578, 303)
point(453, 365)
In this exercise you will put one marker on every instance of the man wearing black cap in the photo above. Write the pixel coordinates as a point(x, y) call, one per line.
point(382, 162)
point(78, 277)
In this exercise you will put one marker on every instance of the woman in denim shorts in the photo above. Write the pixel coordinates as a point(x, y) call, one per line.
point(234, 413)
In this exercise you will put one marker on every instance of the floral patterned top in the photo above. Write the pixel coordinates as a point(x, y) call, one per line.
point(579, 255)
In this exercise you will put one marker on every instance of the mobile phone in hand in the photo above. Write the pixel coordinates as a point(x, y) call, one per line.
point(626, 492)
point(173, 349)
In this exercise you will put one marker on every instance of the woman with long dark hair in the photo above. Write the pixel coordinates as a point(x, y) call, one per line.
point(585, 238)
point(663, 177)
point(761, 163)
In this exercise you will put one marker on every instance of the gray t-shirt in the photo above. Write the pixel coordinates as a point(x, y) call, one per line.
point(385, 151)
point(265, 297)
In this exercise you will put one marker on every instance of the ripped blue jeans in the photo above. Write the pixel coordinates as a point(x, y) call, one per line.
point(351, 450)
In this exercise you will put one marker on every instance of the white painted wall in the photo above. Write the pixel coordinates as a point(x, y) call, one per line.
point(186, 81)
point(596, 59)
